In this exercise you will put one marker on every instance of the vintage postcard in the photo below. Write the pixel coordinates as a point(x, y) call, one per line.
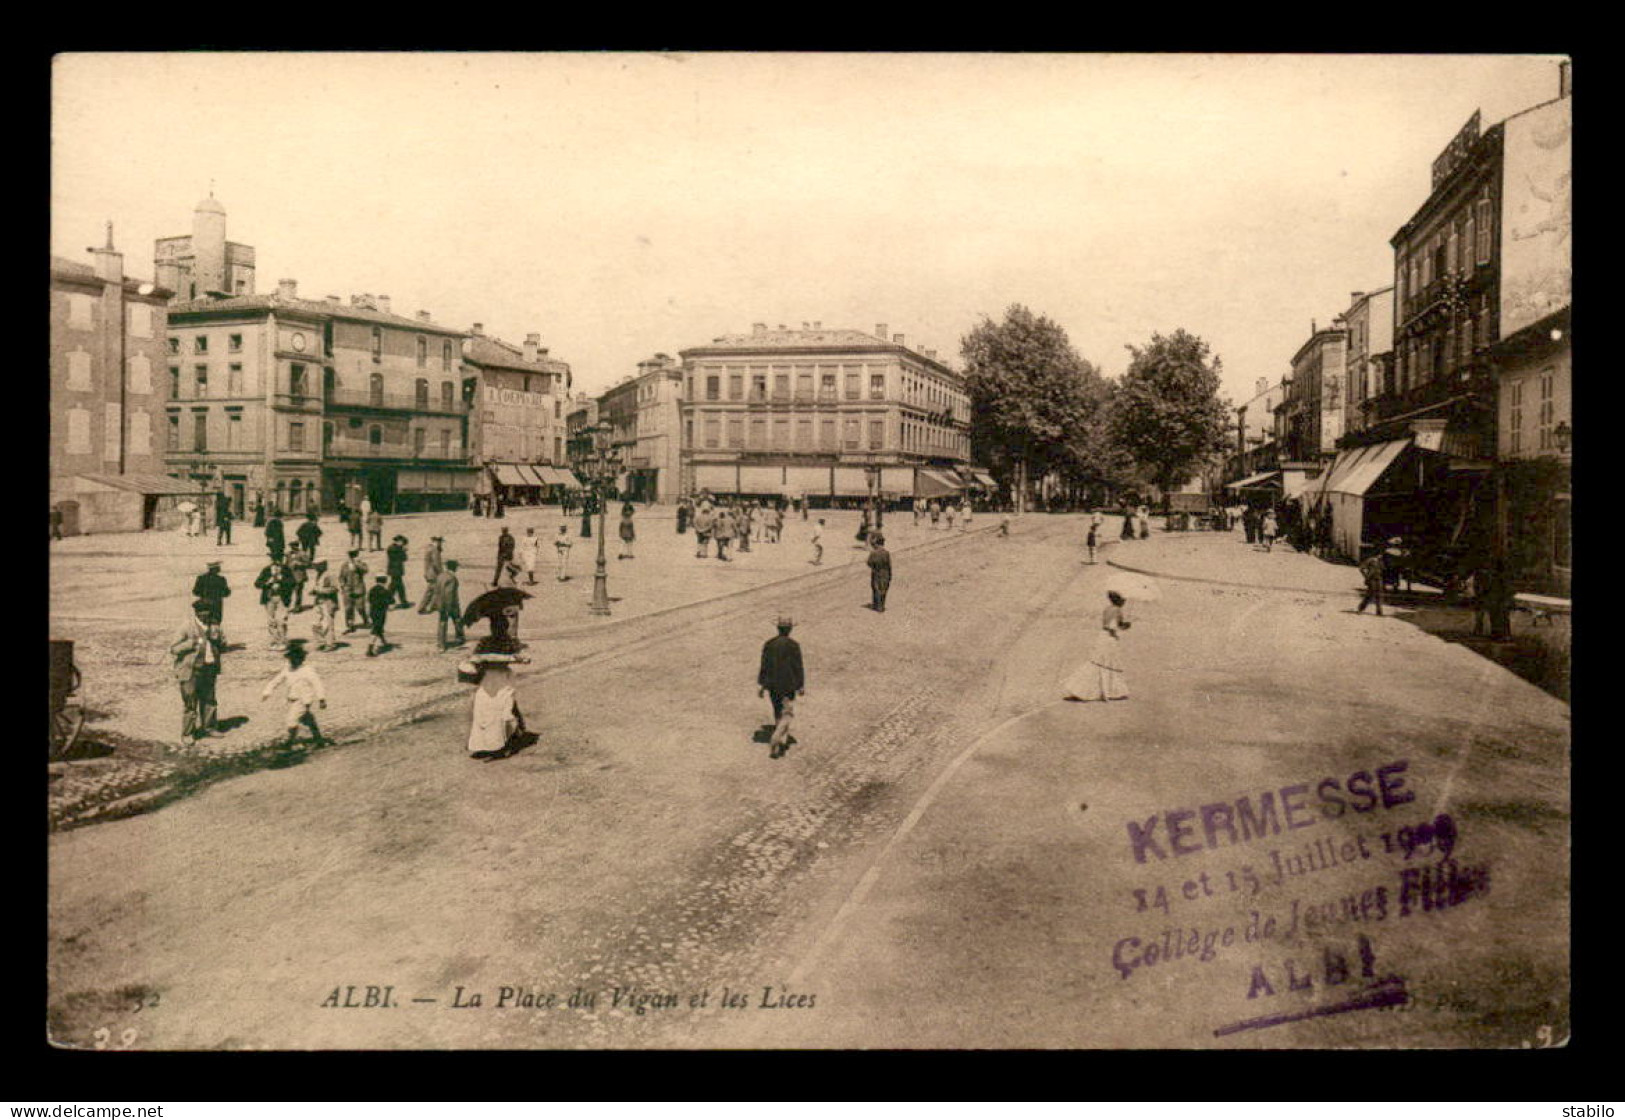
point(809, 551)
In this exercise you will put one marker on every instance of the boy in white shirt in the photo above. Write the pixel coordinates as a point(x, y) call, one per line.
point(304, 690)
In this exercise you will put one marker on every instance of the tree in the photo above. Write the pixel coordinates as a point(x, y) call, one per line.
point(1167, 412)
point(1031, 394)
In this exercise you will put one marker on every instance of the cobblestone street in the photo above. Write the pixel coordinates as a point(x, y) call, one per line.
point(945, 820)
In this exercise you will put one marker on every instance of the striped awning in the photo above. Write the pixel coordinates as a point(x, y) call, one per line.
point(934, 484)
point(507, 474)
point(1267, 480)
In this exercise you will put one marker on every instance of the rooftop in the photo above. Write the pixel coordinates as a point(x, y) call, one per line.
point(485, 350)
point(317, 307)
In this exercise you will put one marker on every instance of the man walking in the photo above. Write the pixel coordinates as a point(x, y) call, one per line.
point(818, 542)
point(723, 531)
point(504, 555)
point(375, 531)
point(395, 565)
point(448, 597)
point(782, 680)
point(275, 585)
point(275, 542)
point(530, 554)
point(310, 535)
point(433, 565)
point(1371, 572)
point(562, 543)
point(222, 524)
point(325, 591)
point(353, 522)
point(353, 587)
point(879, 572)
point(705, 522)
point(196, 653)
point(378, 603)
point(211, 587)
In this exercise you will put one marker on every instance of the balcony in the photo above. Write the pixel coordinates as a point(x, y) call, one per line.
point(394, 402)
point(362, 449)
point(302, 402)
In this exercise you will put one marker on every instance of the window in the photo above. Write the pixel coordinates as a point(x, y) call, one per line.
point(736, 386)
point(81, 312)
point(296, 435)
point(1486, 230)
point(713, 389)
point(445, 443)
point(79, 431)
point(419, 438)
point(781, 386)
point(200, 431)
point(375, 389)
point(234, 379)
point(79, 370)
point(826, 386)
point(296, 382)
point(423, 351)
point(200, 377)
point(1515, 417)
point(327, 435)
point(804, 385)
point(1547, 409)
point(877, 434)
point(448, 396)
point(445, 355)
point(849, 435)
point(758, 385)
point(200, 344)
point(736, 431)
point(713, 430)
point(420, 394)
point(140, 374)
point(375, 436)
point(758, 433)
point(172, 440)
point(174, 382)
point(1452, 248)
point(174, 345)
point(377, 344)
point(877, 386)
point(234, 343)
point(781, 433)
point(558, 445)
point(826, 433)
point(804, 433)
point(853, 386)
point(140, 320)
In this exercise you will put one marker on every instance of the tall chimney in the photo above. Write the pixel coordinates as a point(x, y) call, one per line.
point(818, 325)
point(805, 325)
point(109, 262)
point(758, 328)
point(932, 354)
point(880, 331)
point(897, 338)
point(1262, 386)
point(477, 330)
point(334, 299)
point(425, 316)
point(782, 327)
point(383, 304)
point(532, 342)
point(287, 289)
point(1355, 297)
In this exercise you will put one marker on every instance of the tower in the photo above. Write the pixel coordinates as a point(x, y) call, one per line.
point(209, 246)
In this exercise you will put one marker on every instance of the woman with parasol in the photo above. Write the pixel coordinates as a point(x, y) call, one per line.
point(497, 727)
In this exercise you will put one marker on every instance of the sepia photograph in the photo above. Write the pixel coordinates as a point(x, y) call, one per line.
point(809, 551)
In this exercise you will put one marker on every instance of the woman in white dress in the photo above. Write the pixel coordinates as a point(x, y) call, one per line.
point(496, 718)
point(1101, 677)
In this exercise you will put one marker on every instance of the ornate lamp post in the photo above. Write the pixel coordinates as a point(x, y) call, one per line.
point(601, 464)
point(1563, 437)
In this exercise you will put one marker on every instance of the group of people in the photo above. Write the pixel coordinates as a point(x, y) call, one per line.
point(727, 521)
point(1262, 526)
point(937, 511)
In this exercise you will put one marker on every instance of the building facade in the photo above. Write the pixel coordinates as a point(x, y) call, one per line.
point(1370, 365)
point(645, 417)
point(1312, 406)
point(106, 461)
point(833, 415)
point(204, 264)
point(517, 423)
point(293, 404)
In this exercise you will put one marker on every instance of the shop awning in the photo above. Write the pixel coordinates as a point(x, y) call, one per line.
point(985, 479)
point(1361, 472)
point(934, 484)
point(1267, 480)
point(507, 474)
point(532, 475)
point(554, 476)
point(151, 484)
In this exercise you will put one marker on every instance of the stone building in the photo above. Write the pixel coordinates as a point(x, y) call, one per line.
point(645, 415)
point(517, 430)
point(106, 463)
point(203, 263)
point(299, 404)
point(834, 415)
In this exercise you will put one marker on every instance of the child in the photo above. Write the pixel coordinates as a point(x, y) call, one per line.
point(304, 689)
point(379, 597)
point(562, 543)
point(818, 542)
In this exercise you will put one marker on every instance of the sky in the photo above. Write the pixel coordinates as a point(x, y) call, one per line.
point(621, 205)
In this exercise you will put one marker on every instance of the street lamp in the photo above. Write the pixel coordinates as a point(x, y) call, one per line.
point(601, 464)
point(1563, 436)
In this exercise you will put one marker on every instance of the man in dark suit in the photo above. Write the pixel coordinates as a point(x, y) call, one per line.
point(275, 540)
point(781, 678)
point(879, 572)
point(309, 534)
point(396, 567)
point(196, 654)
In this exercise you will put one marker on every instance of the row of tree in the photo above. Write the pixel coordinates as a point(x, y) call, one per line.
point(1040, 408)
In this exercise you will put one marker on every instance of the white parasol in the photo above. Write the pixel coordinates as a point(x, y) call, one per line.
point(1133, 585)
point(187, 507)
